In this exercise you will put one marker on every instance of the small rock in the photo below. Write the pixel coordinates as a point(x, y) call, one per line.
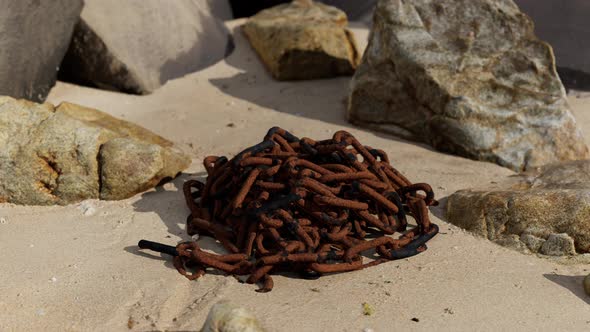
point(3, 221)
point(415, 320)
point(303, 40)
point(558, 245)
point(511, 241)
point(552, 200)
point(225, 317)
point(87, 209)
point(53, 279)
point(368, 309)
point(532, 242)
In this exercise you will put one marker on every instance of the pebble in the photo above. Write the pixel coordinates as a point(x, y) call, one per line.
point(587, 285)
point(53, 279)
point(87, 208)
point(3, 221)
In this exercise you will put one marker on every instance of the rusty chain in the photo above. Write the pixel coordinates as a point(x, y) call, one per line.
point(299, 205)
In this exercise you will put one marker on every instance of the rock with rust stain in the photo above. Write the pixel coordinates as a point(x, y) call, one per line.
point(69, 153)
point(303, 40)
point(468, 77)
point(547, 210)
point(226, 317)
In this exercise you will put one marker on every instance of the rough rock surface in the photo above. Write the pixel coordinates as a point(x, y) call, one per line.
point(303, 40)
point(468, 77)
point(136, 46)
point(564, 24)
point(548, 210)
point(226, 317)
point(34, 36)
point(65, 154)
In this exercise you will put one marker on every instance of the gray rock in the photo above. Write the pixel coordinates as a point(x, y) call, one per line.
point(558, 245)
point(468, 77)
point(535, 206)
point(303, 40)
point(532, 242)
point(564, 24)
point(34, 36)
point(512, 241)
point(137, 45)
point(65, 154)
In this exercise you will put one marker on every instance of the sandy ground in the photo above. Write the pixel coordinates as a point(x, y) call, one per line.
point(77, 267)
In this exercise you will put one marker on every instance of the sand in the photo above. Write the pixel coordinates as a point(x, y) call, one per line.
point(77, 268)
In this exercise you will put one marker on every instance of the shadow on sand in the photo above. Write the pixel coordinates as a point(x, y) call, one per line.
point(572, 283)
point(255, 85)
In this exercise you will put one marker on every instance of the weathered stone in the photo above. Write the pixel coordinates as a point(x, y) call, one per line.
point(65, 154)
point(137, 45)
point(121, 158)
point(303, 40)
point(468, 77)
point(558, 245)
point(554, 200)
point(563, 24)
point(512, 241)
point(225, 317)
point(34, 36)
point(532, 242)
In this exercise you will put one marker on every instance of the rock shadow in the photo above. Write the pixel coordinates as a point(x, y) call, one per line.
point(571, 283)
point(255, 85)
point(440, 211)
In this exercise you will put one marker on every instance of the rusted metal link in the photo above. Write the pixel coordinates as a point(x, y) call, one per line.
point(304, 206)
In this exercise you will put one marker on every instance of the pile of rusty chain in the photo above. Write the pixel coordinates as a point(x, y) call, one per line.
point(305, 206)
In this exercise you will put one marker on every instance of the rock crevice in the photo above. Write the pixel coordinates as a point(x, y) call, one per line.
point(65, 154)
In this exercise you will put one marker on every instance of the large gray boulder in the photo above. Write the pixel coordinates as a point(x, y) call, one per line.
point(564, 24)
point(136, 46)
point(548, 211)
point(34, 36)
point(61, 155)
point(468, 77)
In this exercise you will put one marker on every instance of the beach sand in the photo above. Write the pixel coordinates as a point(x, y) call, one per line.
point(77, 268)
